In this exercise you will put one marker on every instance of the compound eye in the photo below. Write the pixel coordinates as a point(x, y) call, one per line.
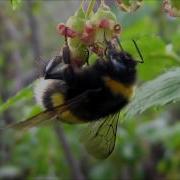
point(119, 66)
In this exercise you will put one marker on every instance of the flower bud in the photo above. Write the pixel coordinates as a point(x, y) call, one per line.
point(66, 31)
point(77, 48)
point(88, 35)
point(172, 7)
point(76, 23)
point(103, 21)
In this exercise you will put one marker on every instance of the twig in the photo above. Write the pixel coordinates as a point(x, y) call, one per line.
point(73, 164)
point(33, 25)
point(13, 56)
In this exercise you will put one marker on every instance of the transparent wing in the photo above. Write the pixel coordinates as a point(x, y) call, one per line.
point(100, 136)
point(33, 121)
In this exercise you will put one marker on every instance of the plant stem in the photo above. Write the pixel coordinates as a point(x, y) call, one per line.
point(73, 163)
point(90, 8)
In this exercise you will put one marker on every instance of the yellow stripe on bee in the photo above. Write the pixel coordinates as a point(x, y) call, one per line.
point(66, 116)
point(57, 99)
point(119, 88)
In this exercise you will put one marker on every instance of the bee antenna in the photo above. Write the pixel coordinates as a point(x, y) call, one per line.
point(119, 43)
point(139, 52)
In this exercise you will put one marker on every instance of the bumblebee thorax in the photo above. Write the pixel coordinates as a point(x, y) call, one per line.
point(122, 67)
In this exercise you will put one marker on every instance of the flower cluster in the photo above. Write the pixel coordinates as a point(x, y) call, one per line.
point(88, 32)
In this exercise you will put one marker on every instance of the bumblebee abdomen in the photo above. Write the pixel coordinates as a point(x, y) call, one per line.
point(50, 93)
point(98, 105)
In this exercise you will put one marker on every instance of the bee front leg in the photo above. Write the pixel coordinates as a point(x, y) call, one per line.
point(66, 54)
point(57, 76)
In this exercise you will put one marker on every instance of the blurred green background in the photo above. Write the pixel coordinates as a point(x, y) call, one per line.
point(148, 137)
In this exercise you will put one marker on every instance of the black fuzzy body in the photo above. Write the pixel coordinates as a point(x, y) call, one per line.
point(87, 89)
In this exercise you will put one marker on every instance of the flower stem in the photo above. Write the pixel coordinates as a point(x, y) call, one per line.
point(90, 8)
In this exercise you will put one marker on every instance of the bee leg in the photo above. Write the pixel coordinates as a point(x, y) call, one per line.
point(87, 58)
point(108, 47)
point(119, 43)
point(58, 76)
point(66, 52)
point(69, 75)
point(66, 55)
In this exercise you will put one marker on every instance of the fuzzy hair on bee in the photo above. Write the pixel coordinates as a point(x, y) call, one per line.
point(41, 86)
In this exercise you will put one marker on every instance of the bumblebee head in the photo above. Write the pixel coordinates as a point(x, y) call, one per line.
point(123, 60)
point(122, 66)
point(120, 58)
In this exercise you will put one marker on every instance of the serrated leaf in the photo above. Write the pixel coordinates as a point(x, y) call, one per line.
point(27, 93)
point(158, 92)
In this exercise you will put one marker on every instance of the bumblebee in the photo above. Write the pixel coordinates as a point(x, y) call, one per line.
point(94, 93)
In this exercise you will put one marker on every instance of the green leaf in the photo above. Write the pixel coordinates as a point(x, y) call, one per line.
point(25, 93)
point(175, 42)
point(158, 92)
point(175, 4)
point(34, 110)
point(15, 4)
point(160, 130)
point(141, 28)
point(156, 57)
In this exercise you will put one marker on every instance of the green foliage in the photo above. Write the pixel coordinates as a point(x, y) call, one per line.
point(151, 119)
point(158, 92)
point(24, 94)
point(15, 4)
point(155, 55)
point(175, 3)
point(175, 42)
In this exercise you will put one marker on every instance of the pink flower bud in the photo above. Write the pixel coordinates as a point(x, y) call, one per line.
point(104, 23)
point(66, 31)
